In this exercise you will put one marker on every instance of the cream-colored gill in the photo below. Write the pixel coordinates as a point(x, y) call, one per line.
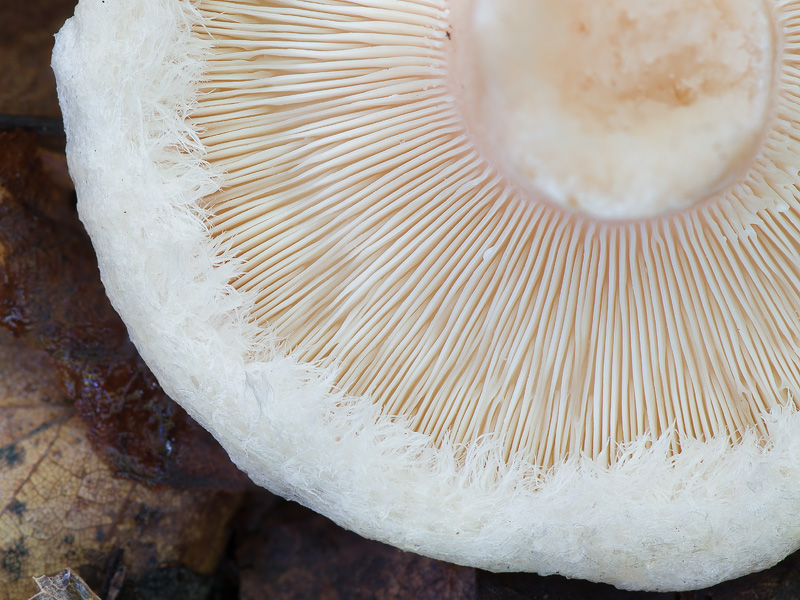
point(383, 240)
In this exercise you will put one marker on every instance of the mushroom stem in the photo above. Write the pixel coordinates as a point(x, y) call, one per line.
point(620, 109)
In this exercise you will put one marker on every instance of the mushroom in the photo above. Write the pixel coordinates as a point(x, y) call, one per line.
point(512, 284)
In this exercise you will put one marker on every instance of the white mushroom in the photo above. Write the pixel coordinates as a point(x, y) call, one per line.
point(510, 283)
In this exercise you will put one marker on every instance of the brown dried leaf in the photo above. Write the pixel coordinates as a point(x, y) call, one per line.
point(63, 506)
point(64, 586)
point(27, 85)
point(289, 552)
point(62, 502)
point(50, 293)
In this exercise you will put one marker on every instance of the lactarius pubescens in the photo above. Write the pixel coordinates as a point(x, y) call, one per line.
point(510, 283)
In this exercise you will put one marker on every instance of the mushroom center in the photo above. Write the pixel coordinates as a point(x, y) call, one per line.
point(622, 108)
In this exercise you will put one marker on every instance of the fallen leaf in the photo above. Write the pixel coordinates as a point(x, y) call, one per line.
point(288, 552)
point(78, 409)
point(62, 504)
point(27, 85)
point(51, 295)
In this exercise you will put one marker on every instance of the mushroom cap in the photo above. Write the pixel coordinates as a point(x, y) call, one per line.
point(660, 503)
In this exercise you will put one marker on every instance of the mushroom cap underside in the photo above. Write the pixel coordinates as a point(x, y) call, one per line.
point(677, 495)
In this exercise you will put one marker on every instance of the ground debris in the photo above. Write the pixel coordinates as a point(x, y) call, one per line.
point(64, 586)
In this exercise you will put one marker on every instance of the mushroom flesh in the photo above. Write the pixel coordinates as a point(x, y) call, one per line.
point(509, 283)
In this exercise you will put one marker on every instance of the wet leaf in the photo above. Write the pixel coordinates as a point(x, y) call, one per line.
point(78, 409)
point(27, 85)
point(63, 505)
point(51, 295)
point(289, 552)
